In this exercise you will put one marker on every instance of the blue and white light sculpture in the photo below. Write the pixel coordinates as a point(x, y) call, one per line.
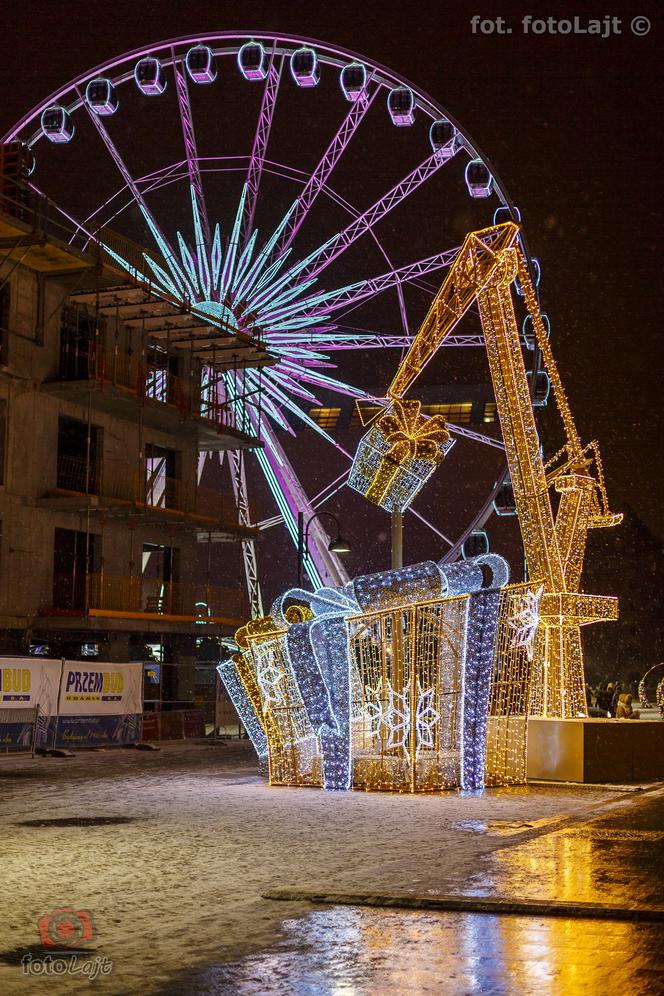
point(385, 682)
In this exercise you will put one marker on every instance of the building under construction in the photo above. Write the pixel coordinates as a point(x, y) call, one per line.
point(108, 397)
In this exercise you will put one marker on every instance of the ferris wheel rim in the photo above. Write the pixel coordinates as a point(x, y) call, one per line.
point(386, 77)
point(282, 44)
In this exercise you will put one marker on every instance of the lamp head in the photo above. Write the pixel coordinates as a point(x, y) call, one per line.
point(339, 545)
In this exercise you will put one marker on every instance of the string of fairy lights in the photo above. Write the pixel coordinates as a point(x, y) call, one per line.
point(391, 682)
point(423, 678)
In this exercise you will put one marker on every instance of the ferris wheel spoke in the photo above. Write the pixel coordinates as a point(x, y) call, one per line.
point(259, 148)
point(316, 502)
point(268, 404)
point(345, 336)
point(402, 308)
point(369, 341)
point(293, 386)
point(191, 151)
point(322, 566)
point(418, 515)
point(166, 174)
point(324, 493)
point(324, 304)
point(157, 234)
point(477, 437)
point(282, 399)
point(322, 380)
point(320, 258)
point(364, 339)
point(325, 166)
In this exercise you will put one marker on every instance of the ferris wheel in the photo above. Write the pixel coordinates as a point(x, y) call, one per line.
point(292, 190)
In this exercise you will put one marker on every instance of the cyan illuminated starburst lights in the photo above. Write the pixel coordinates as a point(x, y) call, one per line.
point(242, 288)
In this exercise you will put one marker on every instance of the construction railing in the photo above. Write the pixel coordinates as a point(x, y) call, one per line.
point(145, 490)
point(156, 383)
point(78, 474)
point(154, 596)
point(184, 496)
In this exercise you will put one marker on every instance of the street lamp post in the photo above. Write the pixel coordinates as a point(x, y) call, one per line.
point(338, 545)
point(397, 538)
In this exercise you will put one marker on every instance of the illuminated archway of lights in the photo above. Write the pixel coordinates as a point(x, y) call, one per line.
point(246, 278)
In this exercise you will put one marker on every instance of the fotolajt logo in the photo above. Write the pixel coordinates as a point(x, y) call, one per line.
point(94, 686)
point(66, 937)
point(15, 684)
point(66, 928)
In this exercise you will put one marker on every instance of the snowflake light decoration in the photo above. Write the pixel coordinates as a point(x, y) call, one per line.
point(390, 710)
point(526, 620)
point(426, 718)
point(269, 677)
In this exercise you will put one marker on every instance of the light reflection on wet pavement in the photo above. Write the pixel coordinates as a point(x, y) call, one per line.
point(616, 860)
point(613, 860)
point(353, 951)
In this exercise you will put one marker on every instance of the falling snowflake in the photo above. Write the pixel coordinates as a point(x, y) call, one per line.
point(526, 620)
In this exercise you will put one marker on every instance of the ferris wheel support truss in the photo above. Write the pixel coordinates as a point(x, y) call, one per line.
point(238, 477)
point(322, 566)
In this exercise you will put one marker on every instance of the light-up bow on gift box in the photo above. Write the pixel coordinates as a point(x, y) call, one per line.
point(398, 455)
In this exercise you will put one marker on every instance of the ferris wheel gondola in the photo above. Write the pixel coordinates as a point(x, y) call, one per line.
point(258, 277)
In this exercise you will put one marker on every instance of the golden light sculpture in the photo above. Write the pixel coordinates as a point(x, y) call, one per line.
point(487, 265)
point(398, 455)
point(293, 749)
point(415, 672)
point(423, 678)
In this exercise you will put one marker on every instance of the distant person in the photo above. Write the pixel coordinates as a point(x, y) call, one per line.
point(617, 692)
point(603, 697)
point(624, 708)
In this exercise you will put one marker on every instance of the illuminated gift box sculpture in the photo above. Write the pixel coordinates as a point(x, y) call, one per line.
point(398, 455)
point(409, 680)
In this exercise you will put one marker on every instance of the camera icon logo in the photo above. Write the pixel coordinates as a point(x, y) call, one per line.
point(66, 928)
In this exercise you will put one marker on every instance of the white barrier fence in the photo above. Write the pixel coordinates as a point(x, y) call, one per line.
point(47, 703)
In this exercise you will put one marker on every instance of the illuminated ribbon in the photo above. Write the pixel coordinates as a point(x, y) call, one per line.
point(411, 436)
point(313, 630)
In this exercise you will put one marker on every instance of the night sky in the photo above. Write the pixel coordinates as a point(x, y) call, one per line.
point(571, 124)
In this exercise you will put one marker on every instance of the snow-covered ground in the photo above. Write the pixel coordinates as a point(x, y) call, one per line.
point(180, 884)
